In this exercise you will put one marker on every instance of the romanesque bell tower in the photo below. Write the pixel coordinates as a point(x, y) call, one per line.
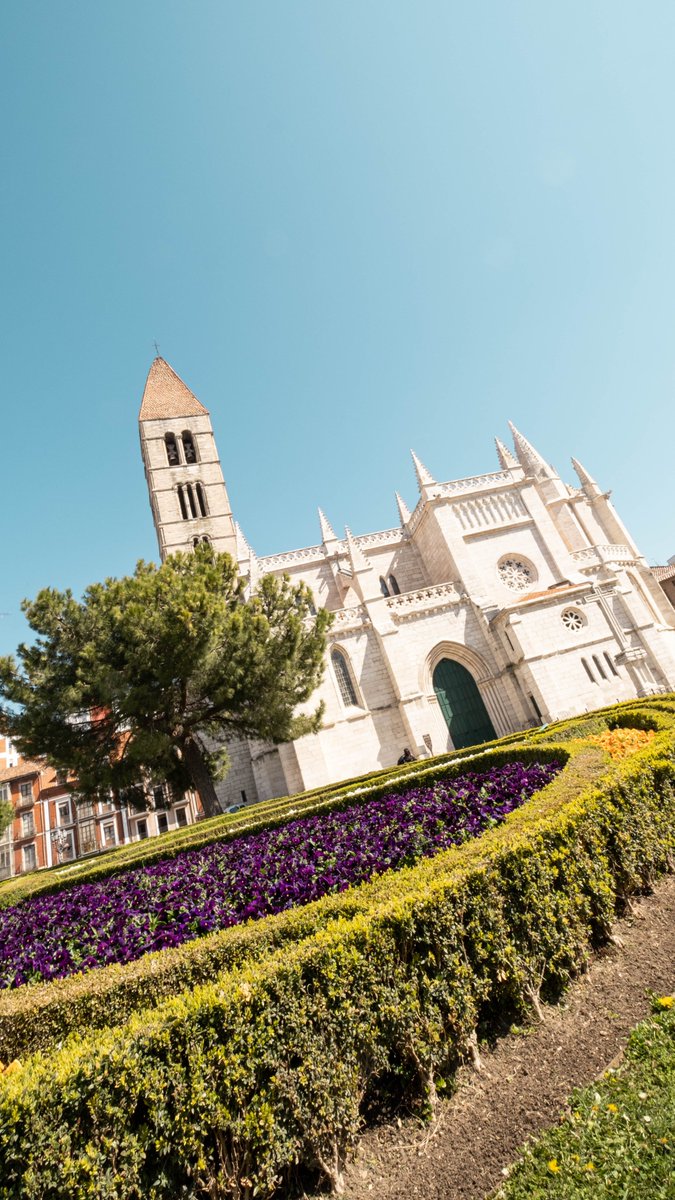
point(187, 491)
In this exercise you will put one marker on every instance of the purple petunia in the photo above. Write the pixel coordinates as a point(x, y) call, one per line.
point(199, 891)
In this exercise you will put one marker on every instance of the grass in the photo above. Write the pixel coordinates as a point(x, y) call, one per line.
point(618, 1139)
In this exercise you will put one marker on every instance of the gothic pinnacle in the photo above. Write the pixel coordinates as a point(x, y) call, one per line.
point(506, 458)
point(327, 532)
point(582, 474)
point(424, 477)
point(403, 510)
point(529, 458)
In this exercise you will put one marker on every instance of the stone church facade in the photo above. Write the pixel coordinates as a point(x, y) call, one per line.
point(501, 601)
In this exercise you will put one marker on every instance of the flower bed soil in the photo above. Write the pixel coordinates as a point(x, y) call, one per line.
point(526, 1079)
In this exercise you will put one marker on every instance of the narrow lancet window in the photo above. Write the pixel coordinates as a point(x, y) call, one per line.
point(393, 584)
point(201, 499)
point(189, 449)
point(172, 449)
point(181, 501)
point(383, 586)
point(344, 678)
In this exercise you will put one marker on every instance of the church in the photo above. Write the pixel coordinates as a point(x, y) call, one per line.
point(502, 601)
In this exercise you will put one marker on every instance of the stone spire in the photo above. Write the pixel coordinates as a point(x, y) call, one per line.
point(327, 532)
point(244, 551)
point(529, 458)
point(403, 510)
point(424, 478)
point(506, 459)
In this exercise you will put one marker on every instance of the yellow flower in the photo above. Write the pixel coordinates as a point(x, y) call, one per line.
point(552, 1165)
point(612, 1108)
point(665, 1001)
point(589, 1166)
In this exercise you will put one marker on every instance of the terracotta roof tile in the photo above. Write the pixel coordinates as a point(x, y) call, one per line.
point(23, 768)
point(166, 395)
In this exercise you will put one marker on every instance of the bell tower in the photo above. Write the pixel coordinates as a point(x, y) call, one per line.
point(188, 496)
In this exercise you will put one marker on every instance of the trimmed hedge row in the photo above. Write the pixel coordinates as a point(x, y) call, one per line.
point(36, 1016)
point(222, 1091)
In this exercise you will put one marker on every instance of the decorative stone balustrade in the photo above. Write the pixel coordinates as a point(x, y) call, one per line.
point(606, 553)
point(415, 604)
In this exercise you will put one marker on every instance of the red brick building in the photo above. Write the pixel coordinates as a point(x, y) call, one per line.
point(51, 825)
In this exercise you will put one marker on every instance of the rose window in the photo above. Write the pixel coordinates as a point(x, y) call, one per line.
point(516, 573)
point(571, 619)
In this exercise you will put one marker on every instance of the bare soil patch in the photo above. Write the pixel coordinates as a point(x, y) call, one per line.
point(527, 1078)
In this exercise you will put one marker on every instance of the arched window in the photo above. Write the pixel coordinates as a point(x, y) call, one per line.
point(201, 499)
point(191, 499)
point(189, 448)
point(172, 454)
point(395, 589)
point(344, 678)
point(383, 586)
point(181, 501)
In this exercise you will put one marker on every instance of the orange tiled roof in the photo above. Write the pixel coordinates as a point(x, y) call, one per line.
point(551, 593)
point(166, 395)
point(22, 768)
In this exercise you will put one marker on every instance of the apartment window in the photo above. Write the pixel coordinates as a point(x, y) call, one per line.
point(27, 825)
point(87, 837)
point(26, 793)
point(142, 829)
point(344, 679)
point(181, 816)
point(162, 822)
point(5, 794)
point(85, 809)
point(109, 838)
point(63, 812)
point(5, 862)
point(159, 795)
point(29, 857)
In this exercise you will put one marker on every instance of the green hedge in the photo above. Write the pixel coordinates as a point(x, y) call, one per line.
point(37, 1016)
point(222, 1091)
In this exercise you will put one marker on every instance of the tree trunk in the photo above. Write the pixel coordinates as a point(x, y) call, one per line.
point(201, 777)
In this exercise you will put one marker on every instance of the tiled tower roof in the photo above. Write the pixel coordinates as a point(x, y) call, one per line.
point(166, 395)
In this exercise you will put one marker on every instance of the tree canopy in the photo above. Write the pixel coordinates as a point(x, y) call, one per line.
point(121, 688)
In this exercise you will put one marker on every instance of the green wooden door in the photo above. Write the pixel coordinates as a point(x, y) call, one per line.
point(462, 705)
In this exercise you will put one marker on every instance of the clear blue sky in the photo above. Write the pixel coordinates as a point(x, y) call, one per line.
point(353, 227)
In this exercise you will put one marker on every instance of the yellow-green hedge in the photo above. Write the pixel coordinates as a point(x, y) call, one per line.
point(222, 1091)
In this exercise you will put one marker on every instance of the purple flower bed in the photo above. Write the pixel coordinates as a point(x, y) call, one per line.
point(199, 891)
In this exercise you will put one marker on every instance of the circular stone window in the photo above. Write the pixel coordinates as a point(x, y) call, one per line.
point(572, 619)
point(516, 573)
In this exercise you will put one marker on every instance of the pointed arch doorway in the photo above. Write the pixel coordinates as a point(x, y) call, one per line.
point(461, 704)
